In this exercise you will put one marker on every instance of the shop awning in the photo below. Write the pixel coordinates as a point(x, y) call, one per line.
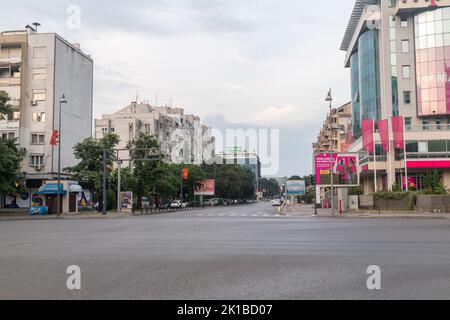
point(51, 189)
point(75, 188)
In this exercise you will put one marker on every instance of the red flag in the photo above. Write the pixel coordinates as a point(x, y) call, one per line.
point(397, 131)
point(367, 131)
point(185, 174)
point(53, 140)
point(383, 129)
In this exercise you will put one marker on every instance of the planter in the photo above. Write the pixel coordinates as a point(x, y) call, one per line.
point(392, 204)
point(433, 203)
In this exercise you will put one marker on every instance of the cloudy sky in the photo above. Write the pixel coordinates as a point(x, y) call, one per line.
point(235, 63)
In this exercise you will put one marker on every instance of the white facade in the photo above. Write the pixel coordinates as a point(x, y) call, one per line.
point(179, 135)
point(36, 69)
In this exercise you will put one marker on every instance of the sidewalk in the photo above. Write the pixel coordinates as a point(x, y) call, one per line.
point(308, 211)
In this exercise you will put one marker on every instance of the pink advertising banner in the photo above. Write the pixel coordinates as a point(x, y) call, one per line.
point(397, 131)
point(345, 168)
point(383, 129)
point(367, 134)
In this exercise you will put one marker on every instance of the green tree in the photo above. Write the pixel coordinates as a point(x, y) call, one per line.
point(10, 158)
point(141, 148)
point(89, 170)
point(432, 184)
point(5, 108)
point(270, 187)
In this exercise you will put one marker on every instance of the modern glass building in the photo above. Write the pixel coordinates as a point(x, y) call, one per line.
point(398, 53)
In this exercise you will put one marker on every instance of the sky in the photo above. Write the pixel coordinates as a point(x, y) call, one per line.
point(235, 63)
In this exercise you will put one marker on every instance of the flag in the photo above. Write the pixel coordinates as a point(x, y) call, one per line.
point(53, 140)
point(383, 129)
point(367, 131)
point(397, 131)
point(185, 174)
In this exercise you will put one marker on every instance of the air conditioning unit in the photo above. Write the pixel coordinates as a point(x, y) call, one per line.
point(34, 103)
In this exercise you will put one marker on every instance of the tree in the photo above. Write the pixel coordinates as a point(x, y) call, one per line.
point(89, 170)
point(432, 184)
point(10, 158)
point(232, 181)
point(270, 187)
point(5, 108)
point(139, 149)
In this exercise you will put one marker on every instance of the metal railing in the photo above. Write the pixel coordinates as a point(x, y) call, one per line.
point(428, 128)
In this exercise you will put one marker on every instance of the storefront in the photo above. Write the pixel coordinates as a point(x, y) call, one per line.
point(47, 195)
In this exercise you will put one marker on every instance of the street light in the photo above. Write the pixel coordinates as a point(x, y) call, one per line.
point(329, 99)
point(58, 204)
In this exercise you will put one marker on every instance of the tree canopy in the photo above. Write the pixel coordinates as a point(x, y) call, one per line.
point(10, 158)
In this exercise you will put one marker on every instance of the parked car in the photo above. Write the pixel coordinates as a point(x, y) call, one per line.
point(176, 204)
point(276, 203)
point(145, 202)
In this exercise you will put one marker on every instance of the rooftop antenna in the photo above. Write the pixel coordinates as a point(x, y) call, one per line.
point(137, 95)
point(36, 25)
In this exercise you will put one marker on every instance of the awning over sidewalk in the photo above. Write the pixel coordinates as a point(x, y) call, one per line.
point(51, 189)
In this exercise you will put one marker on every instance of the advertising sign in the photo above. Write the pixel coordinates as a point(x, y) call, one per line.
point(345, 168)
point(126, 199)
point(204, 188)
point(296, 188)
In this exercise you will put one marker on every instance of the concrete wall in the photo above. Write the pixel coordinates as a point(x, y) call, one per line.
point(432, 203)
point(74, 78)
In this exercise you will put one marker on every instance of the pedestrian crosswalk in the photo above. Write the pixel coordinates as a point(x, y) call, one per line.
point(231, 215)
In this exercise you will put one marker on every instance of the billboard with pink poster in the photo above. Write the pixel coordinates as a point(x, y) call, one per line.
point(345, 168)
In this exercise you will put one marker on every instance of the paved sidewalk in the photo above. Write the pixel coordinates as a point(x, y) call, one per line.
point(372, 214)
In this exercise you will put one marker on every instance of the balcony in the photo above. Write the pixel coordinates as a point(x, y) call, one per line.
point(10, 81)
point(428, 128)
point(409, 6)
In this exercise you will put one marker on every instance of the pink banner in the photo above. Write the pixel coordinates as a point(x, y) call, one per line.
point(383, 129)
point(397, 131)
point(367, 131)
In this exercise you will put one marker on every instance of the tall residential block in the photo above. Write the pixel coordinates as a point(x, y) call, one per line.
point(36, 69)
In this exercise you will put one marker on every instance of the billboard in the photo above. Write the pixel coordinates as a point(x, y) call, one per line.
point(126, 200)
point(345, 168)
point(296, 188)
point(204, 187)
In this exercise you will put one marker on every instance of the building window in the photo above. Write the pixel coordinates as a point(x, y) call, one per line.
point(39, 74)
point(16, 115)
point(438, 124)
point(39, 95)
point(38, 116)
point(406, 72)
point(405, 46)
point(104, 130)
point(426, 124)
point(36, 160)
point(408, 123)
point(39, 52)
point(407, 97)
point(37, 138)
point(404, 22)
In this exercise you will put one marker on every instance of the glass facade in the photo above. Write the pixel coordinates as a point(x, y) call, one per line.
point(432, 45)
point(369, 76)
point(356, 106)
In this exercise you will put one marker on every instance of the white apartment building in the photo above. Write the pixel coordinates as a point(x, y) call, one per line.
point(398, 52)
point(178, 134)
point(36, 69)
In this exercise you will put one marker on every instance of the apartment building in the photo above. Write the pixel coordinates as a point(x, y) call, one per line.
point(335, 134)
point(182, 137)
point(36, 69)
point(399, 56)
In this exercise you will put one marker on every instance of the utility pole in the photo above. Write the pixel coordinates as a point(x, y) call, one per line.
point(104, 182)
point(119, 182)
point(329, 98)
point(58, 200)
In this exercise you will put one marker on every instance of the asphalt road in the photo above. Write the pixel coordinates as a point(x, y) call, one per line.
point(245, 252)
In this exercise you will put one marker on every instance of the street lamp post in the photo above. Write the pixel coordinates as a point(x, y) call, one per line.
point(329, 98)
point(58, 200)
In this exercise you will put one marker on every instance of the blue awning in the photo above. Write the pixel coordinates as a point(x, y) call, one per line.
point(51, 189)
